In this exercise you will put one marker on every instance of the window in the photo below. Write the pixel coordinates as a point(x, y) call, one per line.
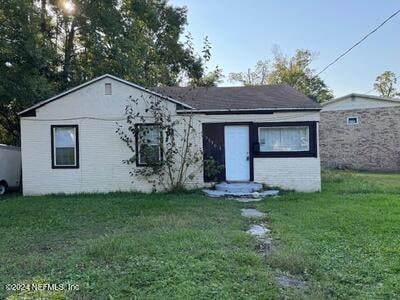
point(64, 140)
point(285, 139)
point(291, 138)
point(352, 120)
point(107, 89)
point(148, 144)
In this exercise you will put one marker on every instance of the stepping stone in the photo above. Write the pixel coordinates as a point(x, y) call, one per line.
point(252, 213)
point(287, 281)
point(258, 231)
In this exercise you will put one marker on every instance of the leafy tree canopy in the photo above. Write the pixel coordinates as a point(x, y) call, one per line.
point(294, 71)
point(50, 45)
point(385, 84)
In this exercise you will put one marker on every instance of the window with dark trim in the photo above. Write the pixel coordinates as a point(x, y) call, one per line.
point(285, 139)
point(148, 144)
point(64, 146)
point(352, 120)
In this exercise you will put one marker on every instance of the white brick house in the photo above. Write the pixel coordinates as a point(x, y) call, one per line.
point(267, 134)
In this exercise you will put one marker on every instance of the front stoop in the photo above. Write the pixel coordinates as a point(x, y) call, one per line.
point(240, 190)
point(239, 187)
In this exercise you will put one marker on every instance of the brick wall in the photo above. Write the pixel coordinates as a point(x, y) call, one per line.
point(373, 144)
point(293, 173)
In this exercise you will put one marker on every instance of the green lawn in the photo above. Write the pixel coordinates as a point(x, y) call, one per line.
point(345, 242)
point(126, 245)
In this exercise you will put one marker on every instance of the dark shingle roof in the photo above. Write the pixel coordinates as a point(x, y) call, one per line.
point(244, 97)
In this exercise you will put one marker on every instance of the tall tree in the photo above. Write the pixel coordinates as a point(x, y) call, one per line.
point(294, 71)
point(26, 59)
point(50, 45)
point(385, 84)
point(257, 76)
point(209, 78)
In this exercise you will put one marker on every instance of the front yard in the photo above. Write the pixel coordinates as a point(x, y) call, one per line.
point(344, 242)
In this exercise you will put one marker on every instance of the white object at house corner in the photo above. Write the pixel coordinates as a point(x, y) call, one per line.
point(10, 167)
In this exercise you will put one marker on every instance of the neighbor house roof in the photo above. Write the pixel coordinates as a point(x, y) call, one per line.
point(355, 95)
point(266, 97)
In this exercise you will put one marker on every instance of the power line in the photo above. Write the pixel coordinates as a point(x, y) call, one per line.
point(359, 42)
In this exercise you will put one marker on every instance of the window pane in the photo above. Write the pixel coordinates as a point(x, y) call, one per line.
point(64, 137)
point(352, 120)
point(64, 146)
point(284, 139)
point(65, 156)
point(152, 136)
point(149, 154)
point(149, 145)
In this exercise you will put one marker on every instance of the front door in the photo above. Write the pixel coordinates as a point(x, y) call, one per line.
point(237, 156)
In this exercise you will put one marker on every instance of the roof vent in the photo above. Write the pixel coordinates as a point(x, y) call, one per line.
point(107, 89)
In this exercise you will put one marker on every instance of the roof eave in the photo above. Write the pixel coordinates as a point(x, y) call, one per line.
point(247, 110)
point(42, 103)
point(352, 95)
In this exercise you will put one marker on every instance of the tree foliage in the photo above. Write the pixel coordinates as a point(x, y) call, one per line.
point(257, 76)
point(27, 61)
point(209, 78)
point(385, 84)
point(49, 45)
point(294, 71)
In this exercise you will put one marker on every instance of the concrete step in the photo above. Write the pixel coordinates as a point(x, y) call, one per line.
point(255, 195)
point(239, 187)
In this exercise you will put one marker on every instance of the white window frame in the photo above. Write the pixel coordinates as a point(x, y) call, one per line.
point(284, 127)
point(356, 123)
point(54, 148)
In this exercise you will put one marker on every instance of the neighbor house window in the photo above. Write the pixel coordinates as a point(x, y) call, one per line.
point(352, 120)
point(148, 144)
point(64, 142)
point(107, 89)
point(284, 139)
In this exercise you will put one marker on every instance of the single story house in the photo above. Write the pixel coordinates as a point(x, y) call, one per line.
point(266, 134)
point(361, 132)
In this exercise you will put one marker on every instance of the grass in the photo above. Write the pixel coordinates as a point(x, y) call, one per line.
point(346, 240)
point(343, 241)
point(119, 246)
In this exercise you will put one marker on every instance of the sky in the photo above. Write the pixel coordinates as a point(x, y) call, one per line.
point(243, 32)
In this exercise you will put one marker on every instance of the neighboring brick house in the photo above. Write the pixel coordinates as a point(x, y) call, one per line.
point(361, 132)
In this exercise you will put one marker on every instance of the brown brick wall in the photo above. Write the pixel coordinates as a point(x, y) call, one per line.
point(373, 144)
